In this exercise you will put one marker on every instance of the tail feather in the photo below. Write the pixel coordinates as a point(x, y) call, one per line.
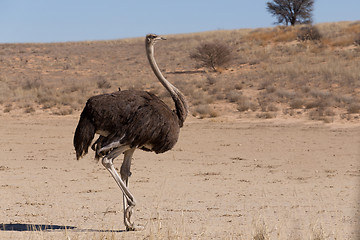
point(84, 134)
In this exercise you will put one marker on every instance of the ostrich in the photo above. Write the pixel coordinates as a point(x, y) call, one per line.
point(130, 119)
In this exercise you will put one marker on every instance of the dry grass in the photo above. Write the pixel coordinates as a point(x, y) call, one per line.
point(157, 229)
point(269, 35)
point(271, 71)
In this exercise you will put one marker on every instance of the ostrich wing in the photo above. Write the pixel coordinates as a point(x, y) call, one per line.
point(134, 118)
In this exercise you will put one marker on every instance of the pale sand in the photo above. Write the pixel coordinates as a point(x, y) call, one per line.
point(223, 180)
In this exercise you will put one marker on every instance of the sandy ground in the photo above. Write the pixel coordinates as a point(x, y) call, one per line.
point(223, 180)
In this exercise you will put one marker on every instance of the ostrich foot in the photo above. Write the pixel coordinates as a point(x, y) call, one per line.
point(135, 228)
point(129, 225)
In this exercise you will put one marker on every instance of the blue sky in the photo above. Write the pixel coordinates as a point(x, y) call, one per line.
point(78, 20)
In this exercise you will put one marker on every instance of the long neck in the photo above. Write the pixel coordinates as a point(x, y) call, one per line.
point(177, 96)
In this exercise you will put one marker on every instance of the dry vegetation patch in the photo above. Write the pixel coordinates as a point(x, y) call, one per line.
point(273, 73)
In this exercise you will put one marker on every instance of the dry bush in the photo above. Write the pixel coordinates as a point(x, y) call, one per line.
point(75, 87)
point(265, 84)
point(322, 114)
point(313, 104)
point(297, 103)
point(238, 86)
point(320, 103)
point(63, 111)
point(320, 99)
point(234, 96)
point(213, 55)
point(270, 89)
point(263, 103)
point(309, 33)
point(316, 93)
point(213, 113)
point(357, 40)
point(102, 83)
point(267, 102)
point(204, 110)
point(272, 107)
point(211, 80)
point(353, 108)
point(8, 108)
point(28, 108)
point(199, 97)
point(46, 97)
point(244, 104)
point(31, 84)
point(285, 94)
point(266, 115)
point(329, 112)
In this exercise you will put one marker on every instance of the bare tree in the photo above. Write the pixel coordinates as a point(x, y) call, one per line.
point(291, 11)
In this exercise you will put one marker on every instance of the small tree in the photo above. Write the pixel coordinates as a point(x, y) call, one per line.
point(212, 55)
point(291, 11)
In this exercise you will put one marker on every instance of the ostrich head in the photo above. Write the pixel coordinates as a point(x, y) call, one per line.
point(153, 38)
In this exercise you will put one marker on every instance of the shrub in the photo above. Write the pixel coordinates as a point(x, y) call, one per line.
point(29, 109)
point(204, 110)
point(297, 103)
point(63, 112)
point(272, 108)
point(354, 108)
point(211, 80)
point(238, 86)
point(31, 84)
point(266, 115)
point(213, 55)
point(264, 85)
point(357, 40)
point(321, 114)
point(102, 83)
point(243, 104)
point(309, 33)
point(8, 108)
point(233, 96)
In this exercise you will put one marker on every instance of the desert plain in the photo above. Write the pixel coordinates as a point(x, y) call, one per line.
point(223, 180)
point(270, 149)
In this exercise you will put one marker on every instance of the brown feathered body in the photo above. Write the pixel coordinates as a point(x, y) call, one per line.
point(135, 118)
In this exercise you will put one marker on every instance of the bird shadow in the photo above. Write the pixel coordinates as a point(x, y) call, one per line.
point(20, 227)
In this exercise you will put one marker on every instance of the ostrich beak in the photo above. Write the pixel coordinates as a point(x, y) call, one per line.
point(162, 38)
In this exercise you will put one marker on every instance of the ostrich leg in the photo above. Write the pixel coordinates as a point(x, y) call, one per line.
point(125, 174)
point(107, 161)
